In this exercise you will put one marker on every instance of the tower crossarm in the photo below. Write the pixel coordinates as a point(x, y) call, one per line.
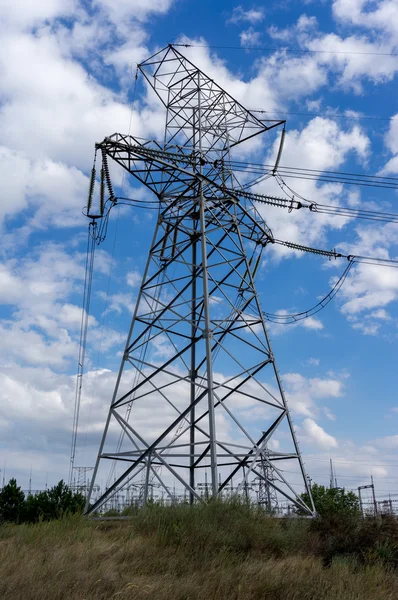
point(173, 175)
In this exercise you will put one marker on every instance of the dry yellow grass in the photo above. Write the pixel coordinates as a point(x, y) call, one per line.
point(79, 560)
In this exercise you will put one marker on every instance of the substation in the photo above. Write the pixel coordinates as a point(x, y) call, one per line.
point(198, 356)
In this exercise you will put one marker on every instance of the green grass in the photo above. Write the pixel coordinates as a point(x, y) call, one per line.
point(218, 551)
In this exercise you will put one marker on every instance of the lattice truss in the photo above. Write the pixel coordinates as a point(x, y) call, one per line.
point(198, 390)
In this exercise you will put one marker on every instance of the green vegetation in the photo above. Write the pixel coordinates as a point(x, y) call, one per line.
point(43, 506)
point(332, 501)
point(220, 551)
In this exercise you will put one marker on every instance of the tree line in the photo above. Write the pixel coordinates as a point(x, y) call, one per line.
point(54, 503)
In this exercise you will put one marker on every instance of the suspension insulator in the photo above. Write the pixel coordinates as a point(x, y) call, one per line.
point(91, 190)
point(278, 158)
point(102, 192)
point(105, 166)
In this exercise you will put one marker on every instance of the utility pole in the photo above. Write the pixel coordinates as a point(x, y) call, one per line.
point(366, 487)
point(374, 497)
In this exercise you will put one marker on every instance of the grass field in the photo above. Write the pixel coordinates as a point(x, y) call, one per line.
point(219, 551)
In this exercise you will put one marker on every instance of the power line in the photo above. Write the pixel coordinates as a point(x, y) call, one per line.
point(345, 173)
point(329, 116)
point(286, 50)
point(287, 319)
point(350, 460)
point(264, 171)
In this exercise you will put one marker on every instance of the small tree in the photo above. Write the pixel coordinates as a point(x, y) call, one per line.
point(61, 500)
point(333, 501)
point(53, 503)
point(12, 503)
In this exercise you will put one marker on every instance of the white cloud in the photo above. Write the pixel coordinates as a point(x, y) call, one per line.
point(392, 135)
point(353, 59)
point(369, 289)
point(240, 15)
point(316, 435)
point(123, 11)
point(71, 315)
point(303, 24)
point(384, 15)
point(25, 13)
point(391, 141)
point(313, 362)
point(62, 116)
point(389, 442)
point(249, 37)
point(118, 302)
point(304, 393)
point(380, 314)
point(44, 325)
point(329, 414)
point(312, 323)
point(133, 278)
point(34, 348)
point(391, 167)
point(54, 191)
point(280, 328)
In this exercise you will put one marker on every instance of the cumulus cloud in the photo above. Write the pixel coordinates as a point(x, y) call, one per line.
point(356, 58)
point(25, 14)
point(310, 323)
point(240, 15)
point(304, 394)
point(133, 278)
point(391, 141)
point(43, 327)
point(249, 37)
point(381, 15)
point(123, 11)
point(313, 361)
point(370, 288)
point(389, 442)
point(316, 435)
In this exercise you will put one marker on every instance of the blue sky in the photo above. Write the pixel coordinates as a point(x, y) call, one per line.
point(67, 70)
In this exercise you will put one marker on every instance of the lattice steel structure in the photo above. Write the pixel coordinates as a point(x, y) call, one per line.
point(198, 390)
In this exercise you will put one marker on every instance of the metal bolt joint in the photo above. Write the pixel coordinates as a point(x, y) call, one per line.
point(207, 333)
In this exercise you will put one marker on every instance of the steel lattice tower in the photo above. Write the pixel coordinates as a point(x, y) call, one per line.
point(198, 389)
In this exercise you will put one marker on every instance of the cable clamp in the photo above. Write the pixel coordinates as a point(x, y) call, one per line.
point(207, 333)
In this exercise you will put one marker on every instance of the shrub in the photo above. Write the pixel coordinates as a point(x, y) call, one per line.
point(333, 501)
point(368, 540)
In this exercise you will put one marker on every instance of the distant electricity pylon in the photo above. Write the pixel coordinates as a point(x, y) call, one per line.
point(198, 390)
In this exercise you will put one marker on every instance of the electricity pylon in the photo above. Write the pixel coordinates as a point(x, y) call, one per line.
point(267, 495)
point(198, 389)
